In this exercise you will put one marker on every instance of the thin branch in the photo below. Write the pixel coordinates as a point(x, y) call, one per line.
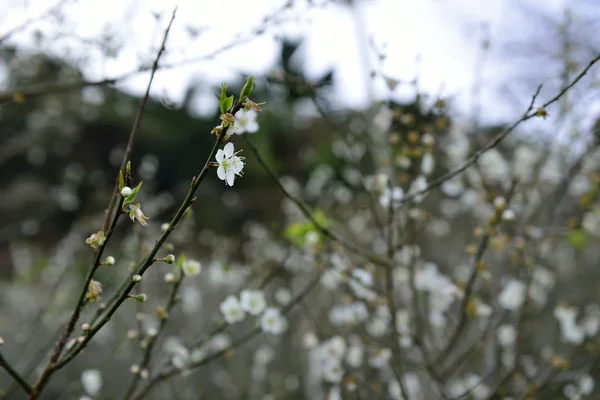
point(147, 356)
point(138, 122)
point(527, 115)
point(149, 260)
point(15, 375)
point(367, 255)
point(29, 21)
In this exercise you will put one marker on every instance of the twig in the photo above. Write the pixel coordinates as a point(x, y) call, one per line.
point(15, 375)
point(138, 122)
point(149, 260)
point(27, 22)
point(152, 340)
point(367, 255)
point(527, 115)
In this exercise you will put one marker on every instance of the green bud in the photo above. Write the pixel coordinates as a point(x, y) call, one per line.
point(137, 278)
point(139, 297)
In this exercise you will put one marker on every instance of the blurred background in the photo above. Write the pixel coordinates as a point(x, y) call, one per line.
point(72, 73)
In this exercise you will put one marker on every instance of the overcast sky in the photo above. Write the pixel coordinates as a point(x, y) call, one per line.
point(440, 40)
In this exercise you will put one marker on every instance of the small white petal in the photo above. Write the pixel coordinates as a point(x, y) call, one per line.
point(230, 178)
point(229, 149)
point(221, 172)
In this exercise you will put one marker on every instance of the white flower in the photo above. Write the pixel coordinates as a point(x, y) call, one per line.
point(570, 331)
point(232, 310)
point(180, 356)
point(513, 295)
point(273, 322)
point(506, 335)
point(381, 358)
point(354, 356)
point(418, 186)
point(427, 164)
point(230, 165)
point(253, 301)
point(245, 121)
point(191, 267)
point(135, 212)
point(333, 371)
point(586, 384)
point(335, 393)
point(335, 348)
point(91, 380)
point(394, 195)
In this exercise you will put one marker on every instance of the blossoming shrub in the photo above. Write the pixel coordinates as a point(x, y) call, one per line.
point(417, 266)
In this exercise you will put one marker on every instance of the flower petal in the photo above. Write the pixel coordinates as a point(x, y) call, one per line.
point(220, 155)
point(221, 172)
point(228, 149)
point(230, 178)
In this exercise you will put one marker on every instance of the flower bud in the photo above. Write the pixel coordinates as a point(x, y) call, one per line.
point(1, 341)
point(110, 260)
point(126, 191)
point(170, 259)
point(134, 369)
point(137, 278)
point(139, 297)
point(144, 374)
point(164, 227)
point(85, 327)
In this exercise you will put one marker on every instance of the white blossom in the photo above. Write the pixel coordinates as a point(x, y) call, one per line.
point(506, 335)
point(230, 164)
point(333, 372)
point(512, 295)
point(245, 121)
point(253, 301)
point(232, 310)
point(91, 380)
point(273, 322)
point(191, 267)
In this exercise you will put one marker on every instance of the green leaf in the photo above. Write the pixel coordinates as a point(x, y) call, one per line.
point(129, 199)
point(296, 232)
point(178, 265)
point(226, 104)
point(247, 89)
point(223, 98)
point(577, 238)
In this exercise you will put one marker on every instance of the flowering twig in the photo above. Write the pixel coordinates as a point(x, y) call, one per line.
point(172, 371)
point(527, 115)
point(141, 268)
point(15, 375)
point(151, 341)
